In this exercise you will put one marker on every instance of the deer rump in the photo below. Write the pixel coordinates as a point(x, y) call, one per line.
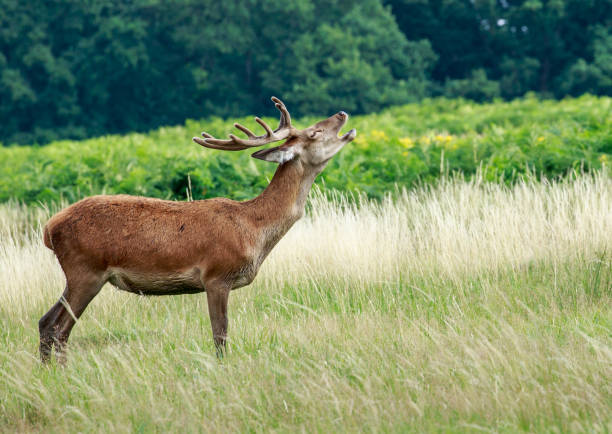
point(141, 234)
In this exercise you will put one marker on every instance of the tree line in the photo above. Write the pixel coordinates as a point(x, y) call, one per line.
point(74, 69)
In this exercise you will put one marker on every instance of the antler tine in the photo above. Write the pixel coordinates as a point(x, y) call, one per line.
point(269, 132)
point(224, 145)
point(283, 131)
point(285, 120)
point(245, 130)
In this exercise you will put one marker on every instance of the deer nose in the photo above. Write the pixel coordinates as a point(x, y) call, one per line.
point(342, 115)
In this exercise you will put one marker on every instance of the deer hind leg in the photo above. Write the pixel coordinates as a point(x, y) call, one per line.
point(55, 326)
point(217, 296)
point(46, 330)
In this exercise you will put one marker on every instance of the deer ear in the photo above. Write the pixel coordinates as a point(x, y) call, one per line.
point(278, 154)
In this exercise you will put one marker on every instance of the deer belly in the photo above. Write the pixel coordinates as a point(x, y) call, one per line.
point(168, 283)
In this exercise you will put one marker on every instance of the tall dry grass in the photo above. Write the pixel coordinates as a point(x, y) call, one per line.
point(466, 306)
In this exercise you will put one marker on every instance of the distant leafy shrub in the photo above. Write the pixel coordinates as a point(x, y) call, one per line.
point(399, 146)
point(477, 87)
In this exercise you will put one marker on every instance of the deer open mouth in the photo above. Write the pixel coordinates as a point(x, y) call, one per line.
point(349, 135)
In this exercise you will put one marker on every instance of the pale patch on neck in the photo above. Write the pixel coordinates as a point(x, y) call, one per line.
point(286, 156)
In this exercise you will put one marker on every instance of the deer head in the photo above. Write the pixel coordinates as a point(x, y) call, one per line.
point(313, 146)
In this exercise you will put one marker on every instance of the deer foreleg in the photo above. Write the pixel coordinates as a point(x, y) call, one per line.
point(217, 296)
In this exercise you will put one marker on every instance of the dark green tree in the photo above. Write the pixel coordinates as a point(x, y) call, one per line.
point(525, 45)
point(359, 62)
point(73, 69)
point(595, 76)
point(81, 68)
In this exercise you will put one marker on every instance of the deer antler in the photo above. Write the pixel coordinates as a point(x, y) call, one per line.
point(283, 131)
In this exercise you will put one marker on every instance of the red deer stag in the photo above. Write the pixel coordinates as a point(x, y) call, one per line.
point(158, 247)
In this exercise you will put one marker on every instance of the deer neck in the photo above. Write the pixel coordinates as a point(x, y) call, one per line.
point(282, 203)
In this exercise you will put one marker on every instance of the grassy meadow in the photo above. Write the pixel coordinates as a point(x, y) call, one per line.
point(462, 305)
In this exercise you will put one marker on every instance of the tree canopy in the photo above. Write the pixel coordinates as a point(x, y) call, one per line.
point(74, 69)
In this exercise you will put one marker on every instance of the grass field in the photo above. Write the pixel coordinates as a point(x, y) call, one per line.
point(466, 306)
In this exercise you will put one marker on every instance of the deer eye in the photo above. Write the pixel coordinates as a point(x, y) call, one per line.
point(315, 133)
